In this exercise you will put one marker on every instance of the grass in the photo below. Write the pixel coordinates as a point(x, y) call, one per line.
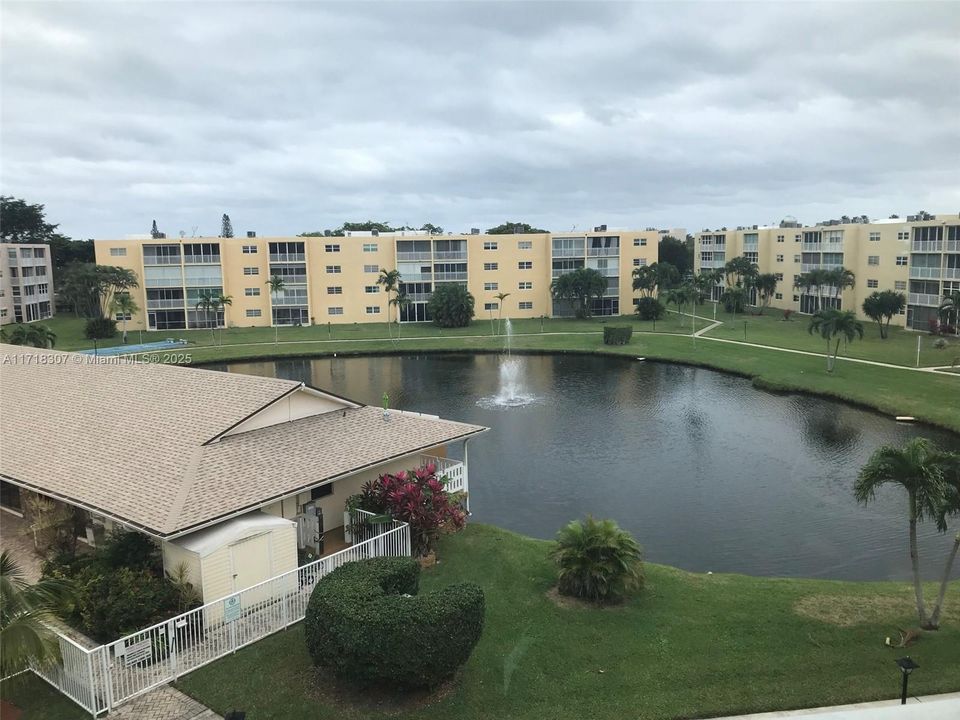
point(38, 700)
point(689, 646)
point(932, 397)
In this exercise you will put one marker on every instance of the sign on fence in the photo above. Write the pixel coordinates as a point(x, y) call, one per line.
point(136, 652)
point(231, 608)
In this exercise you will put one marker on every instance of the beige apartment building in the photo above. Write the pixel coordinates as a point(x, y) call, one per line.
point(920, 258)
point(26, 283)
point(334, 279)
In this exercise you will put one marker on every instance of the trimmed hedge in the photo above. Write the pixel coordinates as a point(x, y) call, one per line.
point(617, 335)
point(366, 624)
point(100, 329)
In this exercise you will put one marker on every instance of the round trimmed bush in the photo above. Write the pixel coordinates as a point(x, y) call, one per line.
point(650, 308)
point(366, 624)
point(100, 329)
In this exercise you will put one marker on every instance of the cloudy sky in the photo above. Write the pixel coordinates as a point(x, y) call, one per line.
point(298, 116)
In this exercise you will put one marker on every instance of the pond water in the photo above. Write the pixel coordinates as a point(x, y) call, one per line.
point(707, 472)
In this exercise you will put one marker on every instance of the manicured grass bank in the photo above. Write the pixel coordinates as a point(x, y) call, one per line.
point(38, 700)
point(690, 646)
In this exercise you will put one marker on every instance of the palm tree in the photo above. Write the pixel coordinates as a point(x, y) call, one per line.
point(207, 302)
point(597, 560)
point(500, 296)
point(223, 301)
point(400, 300)
point(950, 307)
point(841, 279)
point(276, 286)
point(837, 324)
point(766, 285)
point(805, 281)
point(390, 279)
point(931, 477)
point(125, 306)
point(25, 610)
point(33, 334)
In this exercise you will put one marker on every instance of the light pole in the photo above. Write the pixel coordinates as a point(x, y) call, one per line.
point(907, 666)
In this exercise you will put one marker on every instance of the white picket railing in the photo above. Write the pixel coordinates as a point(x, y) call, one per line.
point(453, 470)
point(100, 679)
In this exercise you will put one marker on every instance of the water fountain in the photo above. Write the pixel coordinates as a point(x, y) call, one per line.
point(512, 388)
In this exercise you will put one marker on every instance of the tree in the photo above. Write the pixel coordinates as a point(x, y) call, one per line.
point(840, 279)
point(33, 334)
point(25, 613)
point(835, 324)
point(805, 281)
point(882, 306)
point(578, 288)
point(734, 299)
point(432, 229)
point(931, 478)
point(224, 301)
point(390, 279)
point(154, 233)
point(400, 300)
point(514, 228)
point(678, 253)
point(276, 286)
point(950, 309)
point(205, 304)
point(739, 272)
point(23, 223)
point(451, 305)
point(766, 285)
point(597, 561)
point(226, 227)
point(124, 306)
point(90, 289)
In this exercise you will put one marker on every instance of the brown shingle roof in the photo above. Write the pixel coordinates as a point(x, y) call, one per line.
point(128, 439)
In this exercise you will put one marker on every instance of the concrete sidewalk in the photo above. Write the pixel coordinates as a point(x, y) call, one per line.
point(930, 707)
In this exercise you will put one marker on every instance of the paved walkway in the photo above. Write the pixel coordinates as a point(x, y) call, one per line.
point(930, 707)
point(164, 703)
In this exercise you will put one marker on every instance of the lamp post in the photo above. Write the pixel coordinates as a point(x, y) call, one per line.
point(907, 666)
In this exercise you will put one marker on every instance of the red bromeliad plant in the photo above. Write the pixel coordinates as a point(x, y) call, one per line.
point(416, 497)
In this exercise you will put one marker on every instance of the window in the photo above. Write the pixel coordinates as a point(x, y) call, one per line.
point(899, 284)
point(796, 258)
point(490, 306)
point(373, 309)
point(796, 238)
point(335, 310)
point(873, 284)
point(251, 292)
point(249, 249)
point(525, 285)
point(779, 277)
point(333, 269)
point(491, 286)
point(371, 268)
point(526, 305)
point(254, 313)
point(875, 237)
point(779, 238)
point(639, 262)
point(525, 245)
point(901, 260)
point(796, 298)
point(371, 289)
point(778, 296)
point(331, 248)
point(370, 247)
point(873, 260)
point(119, 317)
point(118, 252)
point(903, 235)
point(639, 242)
point(490, 245)
point(251, 271)
point(779, 258)
point(490, 266)
point(334, 290)
point(3, 312)
point(525, 265)
point(40, 271)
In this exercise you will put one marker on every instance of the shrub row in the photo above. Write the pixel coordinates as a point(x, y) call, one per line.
point(366, 624)
point(617, 335)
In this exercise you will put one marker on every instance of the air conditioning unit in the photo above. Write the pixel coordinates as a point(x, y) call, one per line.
point(251, 233)
point(600, 228)
point(474, 231)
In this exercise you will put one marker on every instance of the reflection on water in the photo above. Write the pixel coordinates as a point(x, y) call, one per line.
point(708, 472)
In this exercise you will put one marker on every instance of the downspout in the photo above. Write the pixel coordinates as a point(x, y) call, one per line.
point(466, 473)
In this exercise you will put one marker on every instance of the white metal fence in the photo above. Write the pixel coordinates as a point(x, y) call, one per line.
point(453, 470)
point(100, 679)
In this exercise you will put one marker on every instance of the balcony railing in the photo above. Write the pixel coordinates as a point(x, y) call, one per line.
point(450, 255)
point(603, 252)
point(933, 246)
point(165, 304)
point(807, 267)
point(924, 273)
point(417, 276)
point(288, 257)
point(568, 252)
point(951, 273)
point(161, 259)
point(712, 264)
point(811, 247)
point(413, 256)
point(448, 276)
point(453, 470)
point(952, 246)
point(162, 282)
point(925, 299)
point(419, 297)
point(201, 259)
point(288, 301)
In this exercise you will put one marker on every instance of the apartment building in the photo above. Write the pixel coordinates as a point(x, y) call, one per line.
point(920, 258)
point(26, 283)
point(334, 279)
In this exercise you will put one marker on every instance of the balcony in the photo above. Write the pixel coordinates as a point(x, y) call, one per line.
point(201, 259)
point(163, 282)
point(921, 246)
point(161, 260)
point(807, 267)
point(288, 257)
point(288, 301)
point(603, 252)
point(925, 299)
point(417, 277)
point(924, 273)
point(712, 264)
point(951, 273)
point(811, 247)
point(414, 256)
point(448, 277)
point(419, 297)
point(568, 252)
point(165, 304)
point(454, 472)
point(952, 246)
point(449, 255)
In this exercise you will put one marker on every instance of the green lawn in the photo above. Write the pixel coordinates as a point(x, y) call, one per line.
point(689, 646)
point(39, 701)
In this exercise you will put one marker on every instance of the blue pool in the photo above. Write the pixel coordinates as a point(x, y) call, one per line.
point(136, 348)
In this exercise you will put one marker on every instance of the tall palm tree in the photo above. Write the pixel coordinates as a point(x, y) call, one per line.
point(835, 324)
point(207, 302)
point(33, 334)
point(500, 296)
point(805, 281)
point(25, 610)
point(390, 279)
point(950, 307)
point(123, 305)
point(931, 477)
point(766, 285)
point(841, 279)
point(400, 300)
point(276, 286)
point(223, 301)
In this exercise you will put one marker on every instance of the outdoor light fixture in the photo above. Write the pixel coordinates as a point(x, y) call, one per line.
point(907, 666)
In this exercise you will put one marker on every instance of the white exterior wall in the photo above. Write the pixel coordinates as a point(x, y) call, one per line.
point(173, 555)
point(296, 405)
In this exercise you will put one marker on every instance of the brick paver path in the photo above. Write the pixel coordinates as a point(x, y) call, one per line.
point(164, 703)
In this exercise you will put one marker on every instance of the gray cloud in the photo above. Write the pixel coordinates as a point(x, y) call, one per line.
point(298, 116)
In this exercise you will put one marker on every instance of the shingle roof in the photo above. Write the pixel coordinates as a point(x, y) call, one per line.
point(128, 439)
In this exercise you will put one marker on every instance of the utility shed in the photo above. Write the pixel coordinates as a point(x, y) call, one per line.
point(234, 554)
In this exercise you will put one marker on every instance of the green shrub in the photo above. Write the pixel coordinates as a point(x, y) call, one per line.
point(451, 305)
point(650, 308)
point(110, 605)
point(100, 329)
point(366, 624)
point(597, 561)
point(617, 335)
